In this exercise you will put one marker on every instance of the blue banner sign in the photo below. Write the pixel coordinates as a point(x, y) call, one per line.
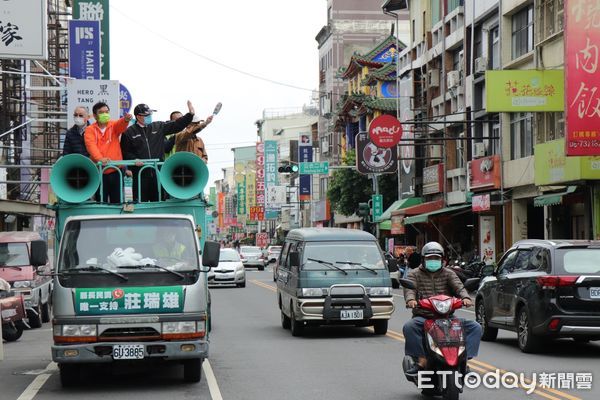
point(84, 49)
point(306, 155)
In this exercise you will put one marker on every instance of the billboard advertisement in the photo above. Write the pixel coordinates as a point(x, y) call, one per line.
point(84, 49)
point(24, 30)
point(371, 159)
point(97, 10)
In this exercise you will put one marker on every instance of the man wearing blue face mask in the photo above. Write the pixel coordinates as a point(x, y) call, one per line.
point(431, 279)
point(145, 139)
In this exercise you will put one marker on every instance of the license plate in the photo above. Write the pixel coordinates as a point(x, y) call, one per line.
point(128, 352)
point(351, 314)
point(595, 293)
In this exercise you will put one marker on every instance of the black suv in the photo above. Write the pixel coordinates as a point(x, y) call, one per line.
point(542, 289)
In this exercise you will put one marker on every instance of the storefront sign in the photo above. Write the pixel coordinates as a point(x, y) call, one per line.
point(305, 155)
point(582, 77)
point(481, 202)
point(385, 131)
point(84, 49)
point(24, 30)
point(485, 173)
point(262, 239)
point(241, 197)
point(432, 179)
point(552, 166)
point(260, 178)
point(96, 10)
point(270, 170)
point(257, 213)
point(487, 238)
point(87, 92)
point(129, 300)
point(524, 90)
point(397, 225)
point(371, 159)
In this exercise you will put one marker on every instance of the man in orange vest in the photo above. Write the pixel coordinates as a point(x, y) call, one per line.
point(102, 140)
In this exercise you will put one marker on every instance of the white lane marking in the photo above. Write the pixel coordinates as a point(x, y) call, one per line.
point(213, 387)
point(35, 386)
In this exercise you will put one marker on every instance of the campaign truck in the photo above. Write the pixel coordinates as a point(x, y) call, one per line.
point(130, 278)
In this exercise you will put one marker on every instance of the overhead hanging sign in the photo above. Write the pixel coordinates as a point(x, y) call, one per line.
point(24, 30)
point(371, 159)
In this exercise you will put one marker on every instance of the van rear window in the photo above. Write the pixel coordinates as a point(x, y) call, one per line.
point(578, 261)
point(13, 255)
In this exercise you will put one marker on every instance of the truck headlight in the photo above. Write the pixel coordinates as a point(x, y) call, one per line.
point(379, 291)
point(312, 292)
point(75, 330)
point(180, 327)
point(21, 284)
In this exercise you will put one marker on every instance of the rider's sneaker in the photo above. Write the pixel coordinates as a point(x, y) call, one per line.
point(414, 370)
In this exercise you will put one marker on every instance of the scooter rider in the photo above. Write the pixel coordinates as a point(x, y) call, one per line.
point(431, 279)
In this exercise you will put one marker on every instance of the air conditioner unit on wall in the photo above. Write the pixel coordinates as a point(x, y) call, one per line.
point(481, 64)
point(433, 78)
point(453, 79)
point(325, 146)
point(479, 150)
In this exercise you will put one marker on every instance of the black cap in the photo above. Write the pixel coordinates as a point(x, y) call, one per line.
point(142, 109)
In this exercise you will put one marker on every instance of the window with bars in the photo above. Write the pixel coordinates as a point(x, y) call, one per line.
point(521, 135)
point(550, 18)
point(549, 126)
point(522, 32)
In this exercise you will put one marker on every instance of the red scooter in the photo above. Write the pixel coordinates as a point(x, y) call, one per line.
point(444, 344)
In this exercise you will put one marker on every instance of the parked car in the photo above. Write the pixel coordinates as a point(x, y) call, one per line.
point(542, 289)
point(25, 279)
point(273, 253)
point(252, 256)
point(333, 276)
point(230, 270)
point(12, 312)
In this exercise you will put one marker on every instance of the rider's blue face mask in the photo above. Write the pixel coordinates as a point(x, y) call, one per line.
point(433, 264)
point(147, 119)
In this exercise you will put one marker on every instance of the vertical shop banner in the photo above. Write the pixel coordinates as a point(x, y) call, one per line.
point(212, 196)
point(260, 177)
point(270, 176)
point(221, 208)
point(582, 77)
point(24, 29)
point(96, 10)
point(406, 146)
point(487, 238)
point(84, 49)
point(250, 190)
point(241, 197)
point(305, 155)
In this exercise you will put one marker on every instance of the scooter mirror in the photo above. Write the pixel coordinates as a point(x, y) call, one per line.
point(472, 284)
point(407, 284)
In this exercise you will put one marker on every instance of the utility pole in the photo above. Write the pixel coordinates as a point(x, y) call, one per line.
point(376, 191)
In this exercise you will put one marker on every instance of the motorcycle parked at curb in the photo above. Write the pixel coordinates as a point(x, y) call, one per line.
point(444, 344)
point(12, 313)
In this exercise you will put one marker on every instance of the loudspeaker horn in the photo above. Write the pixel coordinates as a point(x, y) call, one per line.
point(74, 178)
point(184, 175)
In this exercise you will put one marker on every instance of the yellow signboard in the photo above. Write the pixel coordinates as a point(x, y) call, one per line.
point(525, 90)
point(552, 166)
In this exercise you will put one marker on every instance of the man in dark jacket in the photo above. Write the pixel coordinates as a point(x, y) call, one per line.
point(432, 279)
point(146, 140)
point(74, 142)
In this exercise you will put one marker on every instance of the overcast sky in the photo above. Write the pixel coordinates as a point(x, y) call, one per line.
point(158, 49)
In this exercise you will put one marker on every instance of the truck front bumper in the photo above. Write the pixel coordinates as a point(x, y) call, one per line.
point(101, 352)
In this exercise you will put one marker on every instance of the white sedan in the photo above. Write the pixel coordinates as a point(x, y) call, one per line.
point(230, 270)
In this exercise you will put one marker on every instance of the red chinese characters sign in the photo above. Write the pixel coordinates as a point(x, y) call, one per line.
point(385, 131)
point(485, 173)
point(582, 77)
point(257, 213)
point(481, 203)
point(260, 180)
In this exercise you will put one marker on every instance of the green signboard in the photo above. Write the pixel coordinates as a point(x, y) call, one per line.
point(129, 300)
point(96, 10)
point(241, 197)
point(314, 168)
point(377, 200)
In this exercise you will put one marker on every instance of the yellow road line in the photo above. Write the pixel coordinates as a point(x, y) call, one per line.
point(483, 367)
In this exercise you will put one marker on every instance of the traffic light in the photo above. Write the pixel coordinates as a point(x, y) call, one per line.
point(364, 210)
point(288, 169)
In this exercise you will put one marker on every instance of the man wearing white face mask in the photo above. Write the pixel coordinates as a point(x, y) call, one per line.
point(74, 140)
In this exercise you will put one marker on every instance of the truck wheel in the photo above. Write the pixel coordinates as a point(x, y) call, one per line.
point(69, 374)
point(192, 370)
point(297, 327)
point(285, 321)
point(12, 332)
point(35, 320)
point(46, 311)
point(380, 326)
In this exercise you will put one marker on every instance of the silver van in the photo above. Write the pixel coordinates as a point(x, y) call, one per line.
point(333, 276)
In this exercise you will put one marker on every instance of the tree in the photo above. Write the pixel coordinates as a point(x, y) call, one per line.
point(347, 188)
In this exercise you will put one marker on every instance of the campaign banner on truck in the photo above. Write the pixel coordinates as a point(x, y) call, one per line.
point(84, 49)
point(129, 300)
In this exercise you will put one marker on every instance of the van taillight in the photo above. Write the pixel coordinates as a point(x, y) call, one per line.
point(554, 281)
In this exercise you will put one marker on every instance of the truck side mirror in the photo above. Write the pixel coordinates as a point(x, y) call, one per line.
point(210, 254)
point(294, 259)
point(39, 253)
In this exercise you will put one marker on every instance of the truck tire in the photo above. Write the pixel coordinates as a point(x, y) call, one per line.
point(35, 320)
point(297, 327)
point(46, 311)
point(70, 374)
point(192, 370)
point(12, 332)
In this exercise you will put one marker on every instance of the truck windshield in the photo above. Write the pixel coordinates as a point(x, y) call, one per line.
point(116, 244)
point(343, 254)
point(13, 255)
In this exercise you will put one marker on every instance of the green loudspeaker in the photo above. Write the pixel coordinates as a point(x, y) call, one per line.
point(184, 175)
point(74, 178)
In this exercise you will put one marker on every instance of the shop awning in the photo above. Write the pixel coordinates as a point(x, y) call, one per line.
point(552, 198)
point(386, 225)
point(424, 218)
point(400, 204)
point(423, 208)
